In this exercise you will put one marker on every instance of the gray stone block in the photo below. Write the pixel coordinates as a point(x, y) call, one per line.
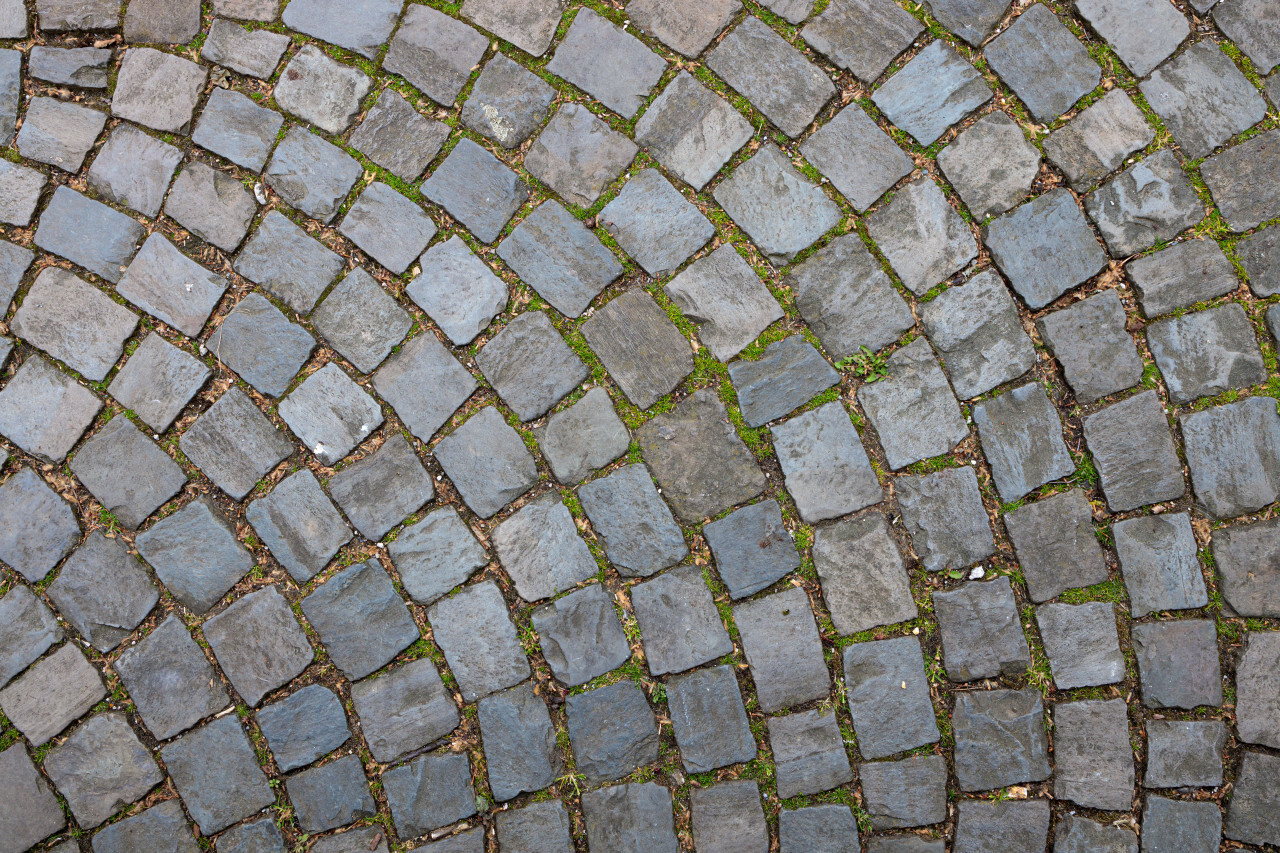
point(1143, 33)
point(913, 410)
point(435, 555)
point(331, 795)
point(724, 296)
point(537, 826)
point(1091, 342)
point(320, 90)
point(612, 731)
point(52, 694)
point(14, 262)
point(1076, 834)
point(158, 381)
point(689, 129)
point(217, 774)
point(390, 228)
point(607, 63)
point(654, 224)
point(361, 619)
point(583, 437)
point(44, 411)
point(862, 36)
point(911, 792)
point(1150, 202)
point(1184, 753)
point(149, 284)
point(944, 515)
point(162, 21)
point(476, 634)
point(195, 554)
point(258, 342)
point(330, 413)
point(1255, 28)
point(487, 462)
point(792, 11)
point(477, 189)
point(1002, 827)
point(991, 165)
point(425, 385)
point(860, 159)
point(10, 92)
point(904, 844)
point(679, 623)
point(13, 20)
point(259, 836)
point(74, 322)
point(1043, 62)
point(1238, 180)
point(22, 188)
point(580, 635)
point(32, 811)
point(540, 549)
point(27, 630)
point(709, 721)
point(1093, 760)
point(981, 631)
point(1133, 453)
point(102, 767)
point(37, 526)
point(304, 726)
point(1258, 689)
point(1098, 139)
point(459, 292)
point(1205, 353)
point(1254, 813)
point(727, 818)
point(1178, 663)
point(809, 751)
point(934, 90)
point(362, 26)
point(630, 818)
point(1021, 435)
point(787, 375)
point(818, 829)
point(1082, 644)
point(864, 582)
point(397, 137)
point(313, 176)
point(972, 20)
point(371, 838)
point(559, 258)
point(1045, 247)
point(300, 525)
point(638, 344)
point(752, 548)
point(159, 829)
point(507, 103)
point(1000, 739)
point(781, 642)
point(288, 263)
point(258, 643)
point(530, 366)
point(578, 155)
point(1248, 561)
point(887, 717)
point(78, 14)
point(519, 742)
point(253, 52)
point(1182, 275)
point(922, 237)
point(404, 709)
point(1233, 452)
point(88, 233)
point(640, 536)
point(360, 320)
point(685, 26)
point(157, 90)
point(234, 444)
point(58, 132)
point(1195, 827)
point(434, 52)
point(170, 681)
point(129, 475)
point(826, 468)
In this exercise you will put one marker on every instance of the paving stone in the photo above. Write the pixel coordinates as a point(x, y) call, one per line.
point(1093, 761)
point(258, 643)
point(541, 551)
point(519, 742)
point(1237, 178)
point(435, 555)
point(1233, 452)
point(623, 80)
point(991, 165)
point(1055, 544)
point(1253, 815)
point(641, 348)
point(362, 26)
point(389, 227)
point(1043, 62)
point(477, 189)
point(1050, 226)
point(311, 175)
point(1178, 663)
point(640, 536)
point(583, 437)
point(195, 554)
point(810, 755)
point(788, 374)
point(74, 322)
point(37, 526)
point(1021, 435)
point(21, 193)
point(487, 462)
point(530, 366)
point(538, 826)
point(1099, 138)
point(1206, 352)
point(158, 381)
point(397, 137)
point(59, 133)
point(1151, 201)
point(987, 826)
point(150, 285)
point(904, 844)
point(507, 103)
point(944, 515)
point(863, 580)
point(78, 14)
point(1181, 275)
point(44, 411)
point(170, 681)
point(1254, 28)
point(288, 263)
point(826, 468)
point(304, 726)
point(528, 24)
point(425, 385)
point(129, 475)
point(818, 829)
point(159, 829)
point(32, 812)
point(780, 209)
point(52, 694)
point(1248, 561)
point(259, 343)
point(690, 130)
point(888, 718)
point(217, 775)
point(726, 299)
point(1076, 834)
point(371, 838)
point(13, 20)
point(320, 90)
point(559, 258)
point(162, 22)
point(300, 525)
point(1000, 739)
point(709, 721)
point(1184, 753)
point(234, 444)
point(752, 548)
point(259, 836)
point(977, 330)
point(458, 290)
point(157, 90)
point(772, 74)
point(1181, 825)
point(102, 767)
point(981, 632)
point(921, 236)
point(1082, 644)
point(911, 792)
point(655, 224)
point(913, 409)
point(685, 26)
point(1258, 689)
point(781, 642)
point(332, 795)
point(1203, 99)
point(860, 159)
point(88, 233)
point(404, 709)
point(862, 36)
point(1143, 32)
point(27, 630)
point(429, 792)
point(696, 456)
point(727, 818)
point(361, 320)
point(678, 620)
point(934, 90)
point(578, 155)
point(330, 413)
point(256, 53)
point(581, 636)
point(475, 631)
point(434, 52)
point(612, 730)
point(1133, 452)
point(1090, 340)
point(361, 619)
point(630, 819)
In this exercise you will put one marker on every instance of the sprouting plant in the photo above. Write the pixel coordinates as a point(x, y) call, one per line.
point(866, 364)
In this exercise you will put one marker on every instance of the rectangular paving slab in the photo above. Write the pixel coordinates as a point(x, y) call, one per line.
point(913, 409)
point(825, 464)
point(1182, 275)
point(888, 718)
point(934, 90)
point(1132, 449)
point(1098, 139)
point(752, 548)
point(860, 159)
point(606, 62)
point(864, 581)
point(149, 284)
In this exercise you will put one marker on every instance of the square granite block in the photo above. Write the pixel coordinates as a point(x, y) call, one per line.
point(724, 296)
point(612, 731)
point(685, 26)
point(458, 290)
point(234, 444)
point(258, 342)
point(1021, 435)
point(304, 726)
point(1195, 827)
point(1143, 32)
point(474, 630)
point(1001, 738)
point(1205, 353)
point(752, 548)
point(257, 836)
point(235, 127)
point(818, 829)
point(128, 473)
point(32, 811)
point(404, 709)
point(1056, 546)
point(864, 582)
point(362, 26)
point(1150, 202)
point(981, 631)
point(1182, 275)
point(580, 635)
point(378, 491)
point(1091, 342)
point(810, 754)
point(321, 90)
point(477, 189)
point(913, 409)
point(1043, 62)
point(212, 205)
point(507, 103)
point(1098, 139)
point(37, 526)
point(162, 21)
point(74, 322)
point(862, 36)
point(727, 818)
point(1184, 754)
point(1133, 451)
point(399, 138)
point(1239, 179)
point(1233, 452)
point(361, 320)
point(361, 619)
point(934, 90)
point(911, 792)
point(922, 237)
point(555, 254)
point(217, 774)
point(171, 287)
point(149, 830)
point(629, 817)
point(101, 767)
point(860, 159)
point(887, 717)
point(170, 680)
point(288, 263)
point(781, 642)
point(1159, 564)
point(53, 693)
point(578, 155)
point(300, 525)
point(709, 721)
point(640, 536)
point(253, 52)
point(78, 14)
point(986, 826)
point(654, 224)
point(991, 165)
point(583, 437)
point(606, 62)
point(487, 462)
point(691, 130)
point(1093, 759)
point(1258, 689)
point(103, 591)
point(1248, 561)
point(519, 742)
point(259, 643)
point(158, 381)
point(389, 227)
point(434, 52)
point(1254, 28)
point(88, 233)
point(28, 629)
point(59, 133)
point(44, 411)
point(10, 92)
point(1254, 813)
point(1178, 663)
point(311, 175)
point(1045, 247)
point(331, 795)
point(195, 554)
point(425, 385)
point(641, 348)
point(540, 549)
point(330, 413)
point(1082, 643)
point(157, 90)
point(679, 623)
point(789, 373)
point(530, 366)
point(20, 190)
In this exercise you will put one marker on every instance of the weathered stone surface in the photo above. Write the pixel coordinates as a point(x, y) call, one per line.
point(1099, 138)
point(1093, 761)
point(630, 818)
point(259, 836)
point(378, 491)
point(288, 263)
point(981, 631)
point(581, 636)
point(507, 103)
point(217, 774)
point(685, 26)
point(362, 26)
point(170, 680)
point(530, 365)
point(362, 621)
point(1181, 275)
point(540, 549)
point(1254, 28)
point(330, 413)
point(1254, 813)
point(10, 92)
point(578, 155)
point(1248, 561)
point(425, 385)
point(987, 826)
point(1043, 62)
point(911, 792)
point(641, 348)
point(159, 829)
point(1181, 825)
point(429, 792)
point(709, 720)
point(991, 165)
point(399, 138)
point(475, 631)
point(933, 91)
point(150, 285)
point(781, 642)
point(14, 262)
point(696, 456)
point(691, 130)
point(390, 228)
point(158, 381)
point(1258, 689)
point(1082, 643)
point(1206, 352)
point(1133, 452)
point(679, 623)
point(640, 536)
point(78, 14)
point(372, 838)
point(44, 411)
point(860, 159)
point(311, 175)
point(1237, 178)
point(258, 342)
point(1184, 753)
point(487, 462)
point(904, 844)
point(775, 204)
point(727, 818)
point(862, 36)
point(607, 63)
point(1178, 663)
point(359, 318)
point(88, 233)
point(459, 292)
point(519, 742)
point(300, 525)
point(21, 193)
point(922, 237)
point(31, 812)
point(559, 258)
point(477, 189)
point(1143, 32)
point(864, 582)
point(405, 709)
point(585, 436)
point(27, 630)
point(234, 444)
point(1000, 739)
point(654, 224)
point(195, 554)
point(101, 768)
point(913, 409)
point(321, 90)
point(787, 375)
point(1021, 435)
point(58, 132)
point(944, 515)
point(809, 752)
point(725, 297)
point(1091, 341)
point(53, 693)
point(772, 74)
point(158, 21)
point(818, 829)
point(889, 718)
point(538, 826)
point(977, 330)
point(1233, 452)
point(1149, 202)
point(157, 90)
point(304, 726)
point(332, 795)
point(826, 468)
point(253, 52)
point(1045, 247)
point(612, 730)
point(129, 475)
point(74, 322)
point(37, 526)
point(752, 548)
point(258, 643)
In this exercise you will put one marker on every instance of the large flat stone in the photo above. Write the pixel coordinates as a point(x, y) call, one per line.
point(487, 462)
point(331, 795)
point(170, 680)
point(991, 165)
point(458, 290)
point(157, 90)
point(1000, 739)
point(922, 237)
point(234, 444)
point(528, 24)
point(1043, 62)
point(390, 228)
point(911, 792)
point(789, 373)
point(28, 629)
point(1258, 689)
point(1255, 29)
point(862, 36)
point(1178, 663)
point(312, 175)
point(818, 829)
point(530, 366)
point(1002, 827)
point(1150, 202)
point(58, 132)
point(630, 818)
point(52, 694)
point(321, 90)
point(864, 582)
point(559, 258)
point(580, 635)
point(612, 730)
point(685, 26)
point(538, 826)
point(520, 751)
point(1091, 341)
point(1099, 138)
point(540, 549)
point(289, 264)
point(781, 642)
point(253, 52)
point(508, 102)
point(259, 643)
point(195, 554)
point(913, 409)
point(149, 284)
point(1184, 753)
point(211, 204)
point(933, 91)
point(583, 437)
point(159, 829)
point(22, 189)
point(689, 129)
point(258, 341)
point(1045, 247)
point(362, 26)
point(304, 726)
point(1143, 32)
point(32, 811)
point(810, 754)
point(397, 137)
point(477, 189)
point(1055, 544)
point(1207, 352)
point(102, 767)
point(860, 159)
point(654, 224)
point(727, 818)
point(1133, 452)
point(1254, 813)
point(425, 385)
point(1181, 825)
point(158, 381)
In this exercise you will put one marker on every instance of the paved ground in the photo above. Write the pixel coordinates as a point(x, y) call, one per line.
point(727, 426)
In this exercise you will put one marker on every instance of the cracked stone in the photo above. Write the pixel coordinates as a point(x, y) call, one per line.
point(158, 381)
point(253, 52)
point(1133, 451)
point(1184, 753)
point(981, 632)
point(580, 635)
point(860, 159)
point(1082, 644)
point(612, 731)
point(288, 263)
point(540, 549)
point(405, 709)
point(911, 792)
point(1045, 247)
point(991, 165)
point(89, 233)
point(640, 536)
point(475, 632)
point(217, 774)
point(557, 256)
point(320, 90)
point(37, 526)
point(1021, 435)
point(304, 726)
point(530, 366)
point(1178, 663)
point(300, 525)
point(487, 461)
point(519, 742)
point(258, 643)
point(128, 473)
point(507, 103)
point(887, 717)
point(170, 680)
point(1099, 138)
point(864, 582)
point(1000, 739)
point(679, 623)
point(944, 516)
point(52, 694)
point(361, 619)
point(782, 646)
point(313, 176)
point(578, 155)
point(752, 548)
point(380, 490)
point(195, 554)
point(691, 130)
point(1181, 275)
point(74, 322)
point(399, 138)
point(361, 320)
point(1233, 452)
point(934, 90)
point(1055, 544)
point(390, 228)
point(583, 437)
point(234, 444)
point(709, 720)
point(913, 409)
point(44, 411)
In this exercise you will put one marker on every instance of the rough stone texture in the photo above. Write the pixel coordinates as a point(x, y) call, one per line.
point(825, 465)
point(1258, 690)
point(157, 21)
point(776, 205)
point(362, 26)
point(330, 413)
point(158, 381)
point(580, 635)
point(259, 836)
point(52, 694)
point(640, 536)
point(913, 409)
point(234, 444)
point(987, 826)
point(782, 646)
point(300, 525)
point(540, 549)
point(922, 237)
point(679, 623)
point(612, 730)
point(519, 742)
point(862, 36)
point(1093, 761)
point(709, 721)
point(359, 318)
point(27, 630)
point(1000, 739)
point(1207, 352)
point(1082, 644)
point(59, 133)
point(399, 138)
point(487, 462)
point(253, 52)
point(507, 103)
point(818, 829)
point(89, 233)
point(631, 818)
point(685, 26)
point(425, 385)
point(404, 709)
point(372, 838)
point(911, 792)
point(304, 726)
point(459, 292)
point(977, 331)
point(362, 621)
point(258, 643)
point(1076, 834)
point(607, 63)
point(944, 515)
point(31, 812)
point(1091, 341)
point(22, 188)
point(170, 680)
point(78, 14)
point(724, 296)
point(860, 159)
point(102, 767)
point(727, 818)
point(889, 718)
point(752, 548)
point(378, 491)
point(195, 554)
point(332, 795)
point(787, 375)
point(809, 752)
point(981, 631)
point(991, 165)
point(74, 322)
point(696, 456)
point(150, 285)
point(530, 365)
point(288, 263)
point(1184, 753)
point(14, 262)
point(1043, 62)
point(37, 527)
point(10, 92)
point(311, 175)
point(578, 155)
point(476, 188)
point(129, 475)
point(258, 342)
point(933, 91)
point(1021, 435)
point(157, 90)
point(1181, 825)
point(1045, 247)
point(1254, 813)
point(44, 411)
point(390, 228)
point(217, 775)
point(904, 844)
point(1238, 180)
point(540, 826)
point(320, 90)
point(1254, 28)
point(583, 437)
point(1178, 663)
point(1203, 99)
point(654, 224)
point(1248, 561)
point(160, 829)
point(1149, 202)
point(1181, 275)
point(1133, 452)
point(689, 129)
point(864, 582)
point(1099, 138)
point(1233, 452)
point(1143, 32)
point(475, 631)
point(558, 257)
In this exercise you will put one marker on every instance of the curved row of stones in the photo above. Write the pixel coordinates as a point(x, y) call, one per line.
point(716, 425)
